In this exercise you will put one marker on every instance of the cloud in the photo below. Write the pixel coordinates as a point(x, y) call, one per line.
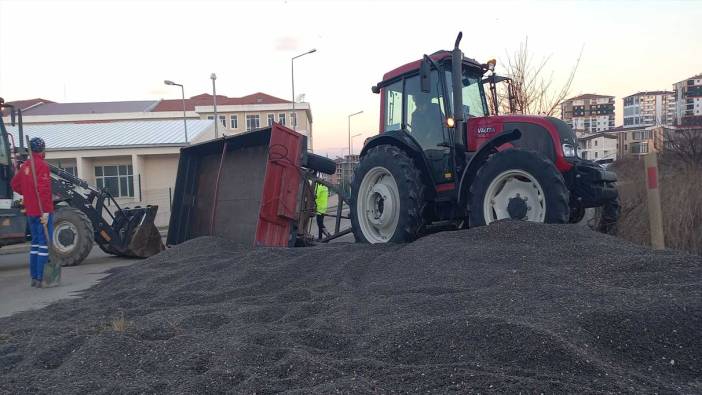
point(287, 43)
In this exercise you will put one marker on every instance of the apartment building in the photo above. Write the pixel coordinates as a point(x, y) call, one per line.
point(688, 101)
point(590, 113)
point(639, 141)
point(344, 170)
point(600, 147)
point(650, 108)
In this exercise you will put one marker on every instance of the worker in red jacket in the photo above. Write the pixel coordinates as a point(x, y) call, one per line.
point(39, 212)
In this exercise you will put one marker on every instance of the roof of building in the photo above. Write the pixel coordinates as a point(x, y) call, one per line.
point(588, 96)
point(596, 135)
point(92, 107)
point(62, 136)
point(206, 100)
point(651, 93)
point(24, 105)
point(691, 78)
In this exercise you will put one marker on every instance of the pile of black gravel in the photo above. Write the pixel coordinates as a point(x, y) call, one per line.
point(506, 308)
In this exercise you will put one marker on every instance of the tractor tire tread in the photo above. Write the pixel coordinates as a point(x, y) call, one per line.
point(412, 222)
point(85, 230)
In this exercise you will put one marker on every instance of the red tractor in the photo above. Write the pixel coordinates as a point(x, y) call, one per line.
point(441, 160)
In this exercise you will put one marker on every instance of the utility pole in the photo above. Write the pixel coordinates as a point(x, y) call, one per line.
point(292, 76)
point(350, 115)
point(213, 76)
point(182, 91)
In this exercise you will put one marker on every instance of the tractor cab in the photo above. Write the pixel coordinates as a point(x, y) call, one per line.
point(418, 102)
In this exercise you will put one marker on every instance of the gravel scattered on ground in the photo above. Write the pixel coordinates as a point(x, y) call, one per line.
point(506, 308)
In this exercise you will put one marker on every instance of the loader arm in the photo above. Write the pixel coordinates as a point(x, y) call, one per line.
point(119, 231)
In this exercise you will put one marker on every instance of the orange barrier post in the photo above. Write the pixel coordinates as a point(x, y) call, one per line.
point(655, 215)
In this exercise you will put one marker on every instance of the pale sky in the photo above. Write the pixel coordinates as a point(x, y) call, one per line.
point(104, 51)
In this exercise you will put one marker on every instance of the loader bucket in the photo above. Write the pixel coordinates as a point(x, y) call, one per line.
point(139, 237)
point(244, 188)
point(146, 239)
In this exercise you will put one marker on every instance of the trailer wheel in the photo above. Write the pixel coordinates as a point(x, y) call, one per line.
point(73, 236)
point(320, 164)
point(387, 197)
point(518, 184)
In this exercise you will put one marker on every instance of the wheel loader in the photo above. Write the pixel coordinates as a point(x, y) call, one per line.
point(84, 214)
point(440, 161)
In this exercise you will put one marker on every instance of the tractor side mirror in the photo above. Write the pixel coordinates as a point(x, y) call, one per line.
point(425, 75)
point(12, 116)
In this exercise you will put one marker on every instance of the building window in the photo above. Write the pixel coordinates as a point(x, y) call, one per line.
point(210, 117)
point(69, 169)
point(639, 148)
point(234, 119)
point(118, 180)
point(595, 143)
point(252, 122)
point(595, 154)
point(643, 135)
point(223, 120)
point(293, 119)
point(281, 118)
point(271, 119)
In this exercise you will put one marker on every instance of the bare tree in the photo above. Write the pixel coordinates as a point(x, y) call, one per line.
point(684, 144)
point(533, 87)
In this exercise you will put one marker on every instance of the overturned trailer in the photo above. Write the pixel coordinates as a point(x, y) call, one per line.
point(254, 188)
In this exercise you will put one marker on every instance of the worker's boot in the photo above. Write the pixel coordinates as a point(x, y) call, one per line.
point(34, 283)
point(39, 285)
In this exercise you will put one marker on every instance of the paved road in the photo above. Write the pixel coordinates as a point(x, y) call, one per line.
point(16, 294)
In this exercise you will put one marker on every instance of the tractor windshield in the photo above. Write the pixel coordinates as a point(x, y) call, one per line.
point(474, 104)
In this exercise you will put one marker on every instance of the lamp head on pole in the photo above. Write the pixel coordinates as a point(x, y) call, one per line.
point(169, 82)
point(213, 76)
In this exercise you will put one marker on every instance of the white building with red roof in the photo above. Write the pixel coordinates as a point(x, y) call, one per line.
point(132, 148)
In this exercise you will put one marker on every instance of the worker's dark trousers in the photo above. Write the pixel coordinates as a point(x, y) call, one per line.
point(320, 225)
point(39, 254)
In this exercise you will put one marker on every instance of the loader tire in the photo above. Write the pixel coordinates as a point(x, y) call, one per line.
point(387, 197)
point(518, 184)
point(320, 164)
point(73, 236)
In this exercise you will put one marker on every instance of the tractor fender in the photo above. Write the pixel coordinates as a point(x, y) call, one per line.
point(479, 158)
point(408, 144)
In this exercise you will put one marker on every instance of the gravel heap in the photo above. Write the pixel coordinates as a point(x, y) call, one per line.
point(506, 308)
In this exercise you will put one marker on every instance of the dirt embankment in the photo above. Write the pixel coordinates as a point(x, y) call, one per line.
point(506, 308)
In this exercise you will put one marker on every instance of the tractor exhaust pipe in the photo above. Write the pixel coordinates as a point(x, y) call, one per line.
point(457, 80)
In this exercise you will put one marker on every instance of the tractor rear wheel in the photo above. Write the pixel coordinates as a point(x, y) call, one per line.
point(73, 236)
point(518, 184)
point(387, 197)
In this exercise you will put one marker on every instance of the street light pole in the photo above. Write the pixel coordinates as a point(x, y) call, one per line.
point(182, 91)
point(352, 137)
point(213, 77)
point(292, 74)
point(350, 115)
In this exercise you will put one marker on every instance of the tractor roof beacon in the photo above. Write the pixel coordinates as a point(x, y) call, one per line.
point(441, 160)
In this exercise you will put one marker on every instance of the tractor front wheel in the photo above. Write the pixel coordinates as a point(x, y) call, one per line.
point(387, 197)
point(73, 236)
point(521, 185)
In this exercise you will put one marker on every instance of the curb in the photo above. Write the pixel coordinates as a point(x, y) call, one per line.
point(15, 249)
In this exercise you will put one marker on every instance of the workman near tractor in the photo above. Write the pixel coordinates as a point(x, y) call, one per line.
point(321, 202)
point(23, 183)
